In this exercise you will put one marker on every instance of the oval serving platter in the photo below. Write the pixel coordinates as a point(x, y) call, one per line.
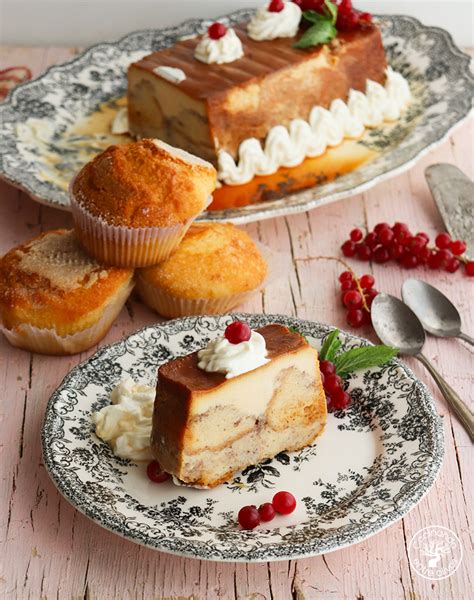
point(372, 464)
point(41, 144)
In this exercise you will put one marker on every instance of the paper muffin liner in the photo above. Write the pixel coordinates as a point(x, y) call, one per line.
point(48, 341)
point(170, 306)
point(123, 246)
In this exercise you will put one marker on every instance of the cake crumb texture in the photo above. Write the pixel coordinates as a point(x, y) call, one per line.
point(50, 282)
point(144, 184)
point(213, 260)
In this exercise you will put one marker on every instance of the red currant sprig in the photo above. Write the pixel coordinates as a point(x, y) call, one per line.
point(357, 296)
point(386, 243)
point(336, 397)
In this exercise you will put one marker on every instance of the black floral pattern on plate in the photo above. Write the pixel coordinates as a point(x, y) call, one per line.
point(392, 413)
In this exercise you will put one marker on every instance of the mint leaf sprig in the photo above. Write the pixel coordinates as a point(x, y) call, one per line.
point(323, 28)
point(352, 360)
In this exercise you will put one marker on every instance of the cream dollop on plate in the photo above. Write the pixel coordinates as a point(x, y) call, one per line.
point(126, 423)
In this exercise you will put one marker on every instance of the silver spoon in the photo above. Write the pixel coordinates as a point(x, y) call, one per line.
point(397, 325)
point(437, 313)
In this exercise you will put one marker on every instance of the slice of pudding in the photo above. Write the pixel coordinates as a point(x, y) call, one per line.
point(207, 425)
point(216, 107)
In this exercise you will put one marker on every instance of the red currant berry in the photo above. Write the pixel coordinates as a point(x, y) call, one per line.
point(355, 317)
point(469, 267)
point(216, 31)
point(365, 17)
point(364, 252)
point(284, 503)
point(328, 402)
point(407, 240)
point(434, 261)
point(396, 251)
point(356, 235)
point(370, 295)
point(403, 238)
point(266, 512)
point(346, 21)
point(346, 276)
point(237, 332)
point(445, 256)
point(352, 299)
point(366, 282)
point(381, 227)
point(400, 228)
point(248, 517)
point(443, 240)
point(371, 240)
point(155, 473)
point(348, 248)
point(458, 247)
point(385, 237)
point(348, 285)
point(367, 319)
point(276, 6)
point(381, 255)
point(424, 255)
point(417, 244)
point(327, 367)
point(332, 383)
point(423, 235)
point(410, 261)
point(340, 400)
point(316, 5)
point(453, 265)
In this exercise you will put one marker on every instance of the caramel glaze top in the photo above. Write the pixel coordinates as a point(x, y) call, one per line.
point(185, 372)
point(260, 59)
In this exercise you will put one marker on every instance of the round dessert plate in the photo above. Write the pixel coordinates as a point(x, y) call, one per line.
point(371, 465)
point(51, 126)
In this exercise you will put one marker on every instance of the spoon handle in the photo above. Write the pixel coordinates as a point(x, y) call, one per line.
point(465, 416)
point(466, 338)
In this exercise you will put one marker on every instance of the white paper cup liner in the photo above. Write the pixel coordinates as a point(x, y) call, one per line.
point(123, 246)
point(47, 341)
point(168, 305)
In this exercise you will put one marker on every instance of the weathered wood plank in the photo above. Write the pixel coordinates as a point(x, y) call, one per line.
point(50, 550)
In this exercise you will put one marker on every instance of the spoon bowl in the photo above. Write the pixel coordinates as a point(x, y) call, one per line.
point(436, 312)
point(397, 325)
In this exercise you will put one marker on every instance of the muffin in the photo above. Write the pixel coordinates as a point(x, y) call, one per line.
point(54, 299)
point(133, 203)
point(216, 267)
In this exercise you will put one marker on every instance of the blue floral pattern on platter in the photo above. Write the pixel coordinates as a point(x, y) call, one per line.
point(371, 465)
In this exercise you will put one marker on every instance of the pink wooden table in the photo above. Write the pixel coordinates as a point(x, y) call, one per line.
point(49, 550)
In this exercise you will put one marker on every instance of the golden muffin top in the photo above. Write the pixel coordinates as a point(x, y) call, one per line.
point(212, 261)
point(145, 184)
point(51, 278)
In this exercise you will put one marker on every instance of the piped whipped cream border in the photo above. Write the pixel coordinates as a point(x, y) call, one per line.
point(289, 146)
